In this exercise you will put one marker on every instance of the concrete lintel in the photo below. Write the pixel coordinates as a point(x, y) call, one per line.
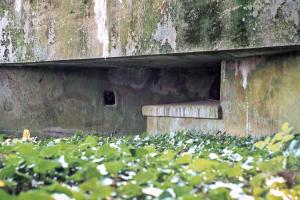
point(181, 59)
point(202, 110)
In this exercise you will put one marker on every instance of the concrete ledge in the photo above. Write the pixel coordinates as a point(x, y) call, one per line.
point(162, 125)
point(201, 109)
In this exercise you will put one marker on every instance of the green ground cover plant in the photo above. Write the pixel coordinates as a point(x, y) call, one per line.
point(172, 166)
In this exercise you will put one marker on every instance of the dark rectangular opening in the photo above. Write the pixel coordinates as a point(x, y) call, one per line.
point(109, 98)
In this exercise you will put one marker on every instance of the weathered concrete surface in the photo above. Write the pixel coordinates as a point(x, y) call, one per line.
point(202, 109)
point(39, 30)
point(162, 125)
point(203, 116)
point(44, 99)
point(258, 94)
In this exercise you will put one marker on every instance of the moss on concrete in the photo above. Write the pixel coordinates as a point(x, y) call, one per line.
point(2, 8)
point(143, 27)
point(242, 23)
point(204, 25)
point(279, 22)
point(151, 16)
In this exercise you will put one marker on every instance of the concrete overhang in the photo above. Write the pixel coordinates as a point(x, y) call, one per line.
point(187, 59)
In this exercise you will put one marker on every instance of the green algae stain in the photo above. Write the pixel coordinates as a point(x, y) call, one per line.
point(289, 30)
point(204, 25)
point(124, 36)
point(2, 8)
point(242, 23)
point(151, 17)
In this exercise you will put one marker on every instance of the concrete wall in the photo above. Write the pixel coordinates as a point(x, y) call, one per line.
point(38, 30)
point(258, 94)
point(42, 99)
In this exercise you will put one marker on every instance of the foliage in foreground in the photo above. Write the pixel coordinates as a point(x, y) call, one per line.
point(175, 166)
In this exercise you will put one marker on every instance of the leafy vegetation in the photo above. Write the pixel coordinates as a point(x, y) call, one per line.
point(175, 166)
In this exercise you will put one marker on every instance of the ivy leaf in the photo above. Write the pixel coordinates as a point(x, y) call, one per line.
point(167, 156)
point(199, 165)
point(108, 152)
point(125, 149)
point(182, 190)
point(286, 128)
point(44, 166)
point(287, 138)
point(101, 191)
point(184, 159)
point(274, 148)
point(87, 172)
point(49, 152)
point(95, 190)
point(272, 166)
point(192, 197)
point(257, 191)
point(219, 194)
point(261, 144)
point(144, 177)
point(90, 141)
point(258, 180)
point(5, 196)
point(235, 171)
point(278, 137)
point(140, 152)
point(11, 163)
point(38, 194)
point(150, 148)
point(114, 167)
point(57, 188)
point(130, 190)
point(26, 150)
point(195, 180)
point(89, 185)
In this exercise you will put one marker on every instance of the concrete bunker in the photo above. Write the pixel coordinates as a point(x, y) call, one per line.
point(110, 96)
point(207, 91)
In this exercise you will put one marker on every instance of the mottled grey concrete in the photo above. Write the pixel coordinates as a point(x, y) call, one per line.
point(259, 94)
point(40, 30)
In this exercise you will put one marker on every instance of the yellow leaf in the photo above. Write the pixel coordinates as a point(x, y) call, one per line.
point(285, 126)
point(2, 184)
point(261, 144)
point(287, 138)
point(268, 139)
point(290, 193)
point(257, 191)
point(278, 137)
point(199, 165)
point(184, 159)
point(274, 147)
point(26, 135)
